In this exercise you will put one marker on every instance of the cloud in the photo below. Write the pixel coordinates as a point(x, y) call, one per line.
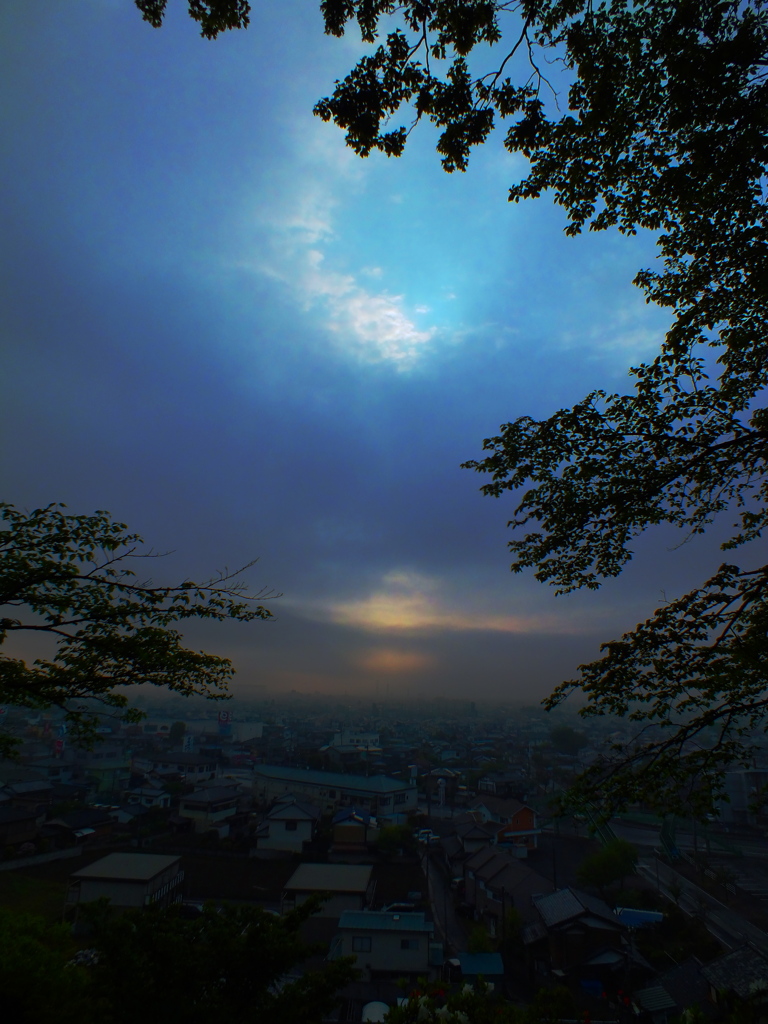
point(408, 602)
point(365, 321)
point(374, 326)
point(390, 659)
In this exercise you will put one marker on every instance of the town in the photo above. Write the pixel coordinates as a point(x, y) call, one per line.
point(431, 830)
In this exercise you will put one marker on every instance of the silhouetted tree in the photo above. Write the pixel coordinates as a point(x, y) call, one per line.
point(73, 578)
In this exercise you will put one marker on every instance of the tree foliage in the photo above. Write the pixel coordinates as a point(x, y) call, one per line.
point(37, 984)
point(665, 129)
point(662, 126)
point(233, 965)
point(611, 863)
point(430, 1003)
point(70, 578)
point(213, 16)
point(230, 965)
point(567, 740)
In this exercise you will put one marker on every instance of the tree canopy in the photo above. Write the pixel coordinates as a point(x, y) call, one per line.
point(228, 965)
point(662, 125)
point(611, 863)
point(71, 578)
point(665, 129)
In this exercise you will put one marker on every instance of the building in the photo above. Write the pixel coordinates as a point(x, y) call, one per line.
point(577, 937)
point(128, 881)
point(353, 832)
point(386, 945)
point(18, 825)
point(193, 767)
point(515, 823)
point(288, 826)
point(495, 882)
point(349, 886)
point(211, 809)
point(385, 798)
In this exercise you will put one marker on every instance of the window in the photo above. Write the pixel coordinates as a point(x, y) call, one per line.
point(400, 798)
point(291, 826)
point(331, 794)
point(409, 943)
point(361, 944)
point(384, 801)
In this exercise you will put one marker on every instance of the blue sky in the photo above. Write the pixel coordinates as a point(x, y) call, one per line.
point(222, 326)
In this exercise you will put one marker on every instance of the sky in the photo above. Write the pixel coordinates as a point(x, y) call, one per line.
point(245, 342)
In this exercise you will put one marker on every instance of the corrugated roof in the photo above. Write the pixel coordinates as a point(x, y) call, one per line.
point(334, 780)
point(330, 878)
point(633, 918)
point(381, 921)
point(655, 998)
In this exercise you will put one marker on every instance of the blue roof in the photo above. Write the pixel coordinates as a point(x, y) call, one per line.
point(487, 964)
point(351, 812)
point(336, 780)
point(638, 918)
point(383, 921)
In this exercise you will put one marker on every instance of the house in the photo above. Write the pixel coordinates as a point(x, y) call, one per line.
point(385, 798)
point(350, 746)
point(18, 825)
point(191, 767)
point(474, 835)
point(210, 809)
point(385, 945)
point(503, 784)
point(149, 796)
point(128, 880)
point(736, 975)
point(515, 822)
point(348, 886)
point(495, 882)
point(353, 830)
point(577, 936)
point(86, 825)
point(29, 794)
point(129, 814)
point(288, 826)
point(108, 767)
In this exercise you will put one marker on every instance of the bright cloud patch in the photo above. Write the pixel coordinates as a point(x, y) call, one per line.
point(375, 326)
point(406, 601)
point(389, 659)
point(364, 320)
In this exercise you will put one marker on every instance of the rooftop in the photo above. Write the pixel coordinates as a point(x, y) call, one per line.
point(335, 780)
point(128, 867)
point(487, 964)
point(567, 904)
point(330, 878)
point(384, 921)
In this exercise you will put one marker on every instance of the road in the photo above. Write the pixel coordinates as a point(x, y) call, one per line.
point(728, 927)
point(449, 928)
